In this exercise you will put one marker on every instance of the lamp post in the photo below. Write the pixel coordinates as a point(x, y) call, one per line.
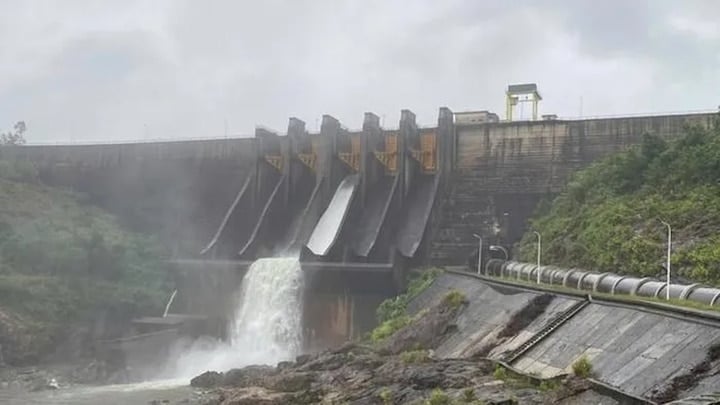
point(539, 249)
point(499, 248)
point(667, 263)
point(480, 245)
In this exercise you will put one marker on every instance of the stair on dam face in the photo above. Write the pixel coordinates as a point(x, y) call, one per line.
point(451, 253)
point(467, 210)
point(545, 331)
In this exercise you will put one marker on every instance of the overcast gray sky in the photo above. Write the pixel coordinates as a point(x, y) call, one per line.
point(82, 70)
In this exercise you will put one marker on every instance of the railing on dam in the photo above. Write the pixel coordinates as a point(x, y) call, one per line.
point(636, 115)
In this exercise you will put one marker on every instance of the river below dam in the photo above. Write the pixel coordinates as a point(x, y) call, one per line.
point(160, 392)
point(266, 329)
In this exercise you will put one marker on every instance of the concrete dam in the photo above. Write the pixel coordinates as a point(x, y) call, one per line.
point(359, 208)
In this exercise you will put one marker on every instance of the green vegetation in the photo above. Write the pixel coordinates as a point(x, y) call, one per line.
point(500, 373)
point(386, 396)
point(439, 397)
point(389, 327)
point(414, 356)
point(468, 395)
point(392, 313)
point(514, 379)
point(454, 299)
point(549, 385)
point(396, 307)
point(582, 367)
point(608, 217)
point(63, 262)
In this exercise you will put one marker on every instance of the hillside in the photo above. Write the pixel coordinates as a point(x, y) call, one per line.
point(609, 216)
point(67, 268)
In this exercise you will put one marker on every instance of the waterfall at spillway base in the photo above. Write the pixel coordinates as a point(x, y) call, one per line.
point(267, 323)
point(266, 326)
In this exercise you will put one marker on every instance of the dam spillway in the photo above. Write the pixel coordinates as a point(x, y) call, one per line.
point(418, 196)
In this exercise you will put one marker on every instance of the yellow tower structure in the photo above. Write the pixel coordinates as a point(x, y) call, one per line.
point(521, 93)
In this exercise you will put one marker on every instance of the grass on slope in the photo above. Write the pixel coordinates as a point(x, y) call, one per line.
point(608, 217)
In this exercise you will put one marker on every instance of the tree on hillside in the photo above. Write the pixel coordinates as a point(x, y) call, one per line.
point(14, 137)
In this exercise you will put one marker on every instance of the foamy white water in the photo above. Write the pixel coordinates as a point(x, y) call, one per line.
point(268, 319)
point(266, 330)
point(266, 327)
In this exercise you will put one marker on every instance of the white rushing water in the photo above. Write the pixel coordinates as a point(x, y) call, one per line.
point(266, 326)
point(266, 330)
point(268, 320)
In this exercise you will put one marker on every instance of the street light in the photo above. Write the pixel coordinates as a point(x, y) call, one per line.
point(479, 238)
point(497, 248)
point(539, 249)
point(667, 264)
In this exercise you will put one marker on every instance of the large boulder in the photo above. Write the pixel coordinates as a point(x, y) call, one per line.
point(208, 379)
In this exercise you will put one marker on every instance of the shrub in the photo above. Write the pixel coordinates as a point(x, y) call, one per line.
point(392, 313)
point(548, 385)
point(468, 395)
point(386, 396)
point(582, 367)
point(500, 373)
point(389, 327)
point(394, 307)
point(454, 299)
point(415, 356)
point(438, 397)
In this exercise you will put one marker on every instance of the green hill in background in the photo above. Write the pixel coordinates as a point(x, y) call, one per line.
point(65, 266)
point(608, 217)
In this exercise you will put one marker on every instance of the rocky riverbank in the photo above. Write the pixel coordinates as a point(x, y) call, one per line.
point(400, 369)
point(356, 374)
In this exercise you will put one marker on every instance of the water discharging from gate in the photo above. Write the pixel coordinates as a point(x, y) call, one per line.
point(266, 327)
point(266, 330)
point(267, 322)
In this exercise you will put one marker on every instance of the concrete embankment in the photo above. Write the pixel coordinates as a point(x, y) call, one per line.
point(644, 352)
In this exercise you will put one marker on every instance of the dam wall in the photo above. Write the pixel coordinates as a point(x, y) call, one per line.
point(420, 193)
point(503, 169)
point(634, 349)
point(230, 199)
point(176, 190)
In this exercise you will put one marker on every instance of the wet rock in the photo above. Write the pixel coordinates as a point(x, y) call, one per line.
point(569, 388)
point(427, 330)
point(289, 382)
point(208, 379)
point(249, 376)
point(358, 374)
point(284, 365)
point(302, 359)
point(262, 396)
